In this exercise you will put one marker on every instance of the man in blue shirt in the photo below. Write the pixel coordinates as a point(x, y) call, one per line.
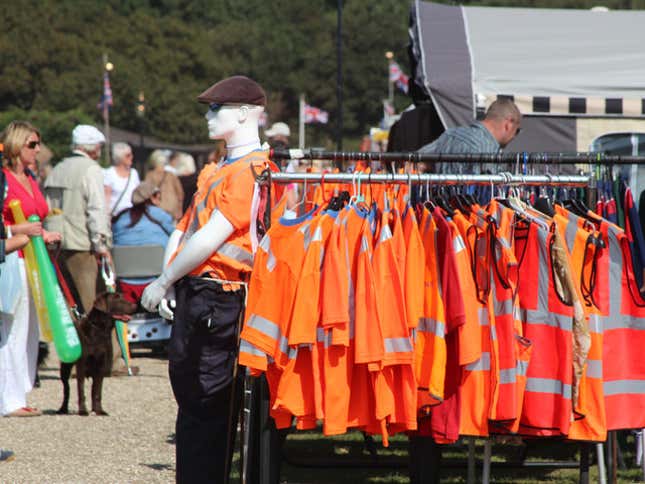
point(498, 128)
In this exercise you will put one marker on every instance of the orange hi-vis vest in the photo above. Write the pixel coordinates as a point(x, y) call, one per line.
point(623, 334)
point(414, 268)
point(548, 321)
point(479, 378)
point(230, 189)
point(430, 348)
point(514, 351)
point(578, 235)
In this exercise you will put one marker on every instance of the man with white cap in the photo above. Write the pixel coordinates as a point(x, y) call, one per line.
point(278, 136)
point(74, 192)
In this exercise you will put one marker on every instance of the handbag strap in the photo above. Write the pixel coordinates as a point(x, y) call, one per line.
point(125, 189)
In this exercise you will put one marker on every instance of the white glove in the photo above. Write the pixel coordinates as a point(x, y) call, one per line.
point(154, 293)
point(168, 304)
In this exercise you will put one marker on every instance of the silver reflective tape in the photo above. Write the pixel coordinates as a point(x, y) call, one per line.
point(508, 376)
point(594, 368)
point(305, 230)
point(522, 367)
point(548, 385)
point(458, 244)
point(622, 321)
point(386, 233)
point(202, 205)
point(318, 235)
point(595, 324)
point(570, 234)
point(429, 325)
point(237, 253)
point(483, 316)
point(397, 345)
point(365, 244)
point(503, 308)
point(265, 243)
point(493, 333)
point(482, 364)
point(264, 326)
point(624, 387)
point(246, 347)
point(554, 320)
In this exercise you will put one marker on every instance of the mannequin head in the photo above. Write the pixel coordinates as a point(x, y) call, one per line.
point(235, 105)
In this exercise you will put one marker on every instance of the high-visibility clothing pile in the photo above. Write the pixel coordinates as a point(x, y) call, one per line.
point(448, 322)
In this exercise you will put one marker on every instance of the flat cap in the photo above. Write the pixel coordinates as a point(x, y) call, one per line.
point(234, 90)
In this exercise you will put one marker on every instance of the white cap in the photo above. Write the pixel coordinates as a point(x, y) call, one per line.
point(85, 134)
point(278, 129)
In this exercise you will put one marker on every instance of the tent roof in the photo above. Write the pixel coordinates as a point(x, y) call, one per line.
point(554, 62)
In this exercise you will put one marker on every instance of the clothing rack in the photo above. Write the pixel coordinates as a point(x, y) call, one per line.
point(438, 179)
point(416, 157)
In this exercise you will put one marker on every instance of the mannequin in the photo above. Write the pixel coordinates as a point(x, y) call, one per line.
point(208, 260)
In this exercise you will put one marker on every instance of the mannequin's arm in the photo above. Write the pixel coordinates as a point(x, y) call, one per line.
point(198, 248)
point(171, 246)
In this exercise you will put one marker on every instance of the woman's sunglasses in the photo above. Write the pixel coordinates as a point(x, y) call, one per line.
point(32, 144)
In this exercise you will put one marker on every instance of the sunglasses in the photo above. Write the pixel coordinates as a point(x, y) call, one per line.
point(32, 144)
point(214, 107)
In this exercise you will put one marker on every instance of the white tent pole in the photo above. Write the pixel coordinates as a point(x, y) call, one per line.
point(301, 123)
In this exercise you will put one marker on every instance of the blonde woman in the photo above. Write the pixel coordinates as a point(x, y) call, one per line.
point(18, 356)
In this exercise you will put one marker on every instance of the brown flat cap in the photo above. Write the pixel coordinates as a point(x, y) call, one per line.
point(234, 90)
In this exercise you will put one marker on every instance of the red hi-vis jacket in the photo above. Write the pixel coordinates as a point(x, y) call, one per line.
point(548, 322)
point(623, 335)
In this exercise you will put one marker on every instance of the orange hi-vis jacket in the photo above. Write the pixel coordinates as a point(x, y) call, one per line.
point(578, 234)
point(548, 322)
point(229, 190)
point(264, 338)
point(430, 348)
point(623, 334)
point(395, 385)
point(414, 268)
point(479, 378)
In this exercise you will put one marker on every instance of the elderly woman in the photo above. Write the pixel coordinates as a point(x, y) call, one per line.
point(142, 224)
point(120, 179)
point(172, 194)
point(20, 332)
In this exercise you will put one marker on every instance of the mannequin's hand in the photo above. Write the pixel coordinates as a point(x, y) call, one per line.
point(154, 293)
point(168, 304)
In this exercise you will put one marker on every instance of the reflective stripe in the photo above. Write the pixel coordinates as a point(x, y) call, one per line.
point(624, 387)
point(493, 333)
point(246, 347)
point(595, 324)
point(202, 205)
point(503, 308)
point(483, 316)
point(522, 367)
point(530, 316)
point(397, 345)
point(622, 321)
point(594, 368)
point(429, 325)
point(318, 235)
point(386, 233)
point(264, 326)
point(508, 376)
point(305, 230)
point(239, 254)
point(413, 334)
point(570, 234)
point(547, 385)
point(482, 364)
point(365, 244)
point(458, 244)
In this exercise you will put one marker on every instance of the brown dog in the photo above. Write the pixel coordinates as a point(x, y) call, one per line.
point(94, 331)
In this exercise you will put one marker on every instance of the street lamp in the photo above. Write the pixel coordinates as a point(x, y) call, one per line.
point(141, 112)
point(107, 92)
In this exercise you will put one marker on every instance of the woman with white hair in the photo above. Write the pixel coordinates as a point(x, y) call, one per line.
point(120, 179)
point(172, 194)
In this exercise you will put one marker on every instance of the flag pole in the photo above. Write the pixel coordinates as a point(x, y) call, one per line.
point(301, 123)
point(107, 67)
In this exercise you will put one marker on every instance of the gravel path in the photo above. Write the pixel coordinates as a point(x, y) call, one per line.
point(133, 444)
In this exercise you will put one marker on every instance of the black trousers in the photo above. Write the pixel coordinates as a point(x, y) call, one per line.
point(202, 356)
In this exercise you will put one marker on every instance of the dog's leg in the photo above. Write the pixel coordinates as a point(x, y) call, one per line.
point(65, 372)
point(80, 384)
point(97, 391)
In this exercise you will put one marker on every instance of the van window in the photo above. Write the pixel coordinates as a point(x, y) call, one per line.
point(620, 144)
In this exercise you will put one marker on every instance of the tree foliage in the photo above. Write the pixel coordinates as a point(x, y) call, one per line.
point(51, 69)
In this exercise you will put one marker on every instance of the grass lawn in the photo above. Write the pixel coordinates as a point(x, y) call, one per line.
point(310, 457)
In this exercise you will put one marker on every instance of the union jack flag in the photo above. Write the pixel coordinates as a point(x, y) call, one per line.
point(106, 97)
point(398, 77)
point(315, 115)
